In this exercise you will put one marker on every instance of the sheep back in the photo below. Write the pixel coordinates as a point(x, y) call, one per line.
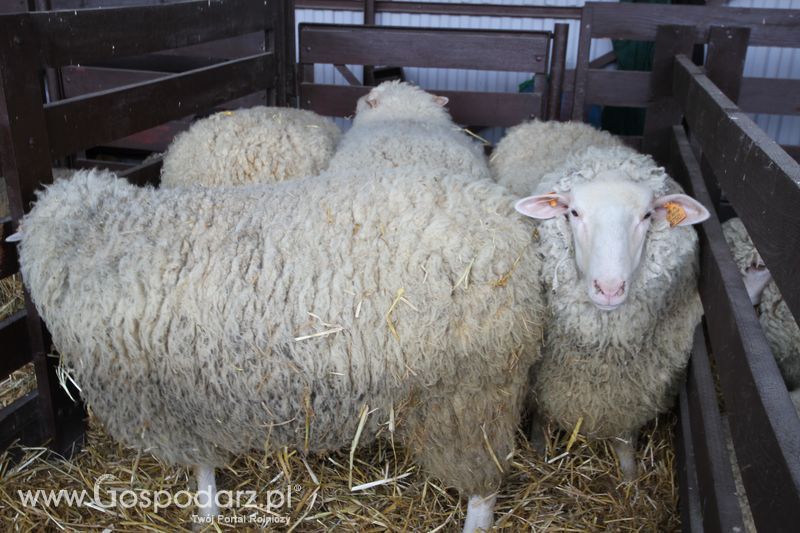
point(410, 143)
point(532, 149)
point(255, 145)
point(202, 323)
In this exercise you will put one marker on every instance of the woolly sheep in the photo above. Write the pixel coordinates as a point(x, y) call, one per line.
point(780, 328)
point(5, 210)
point(522, 158)
point(622, 311)
point(398, 124)
point(256, 145)
point(201, 323)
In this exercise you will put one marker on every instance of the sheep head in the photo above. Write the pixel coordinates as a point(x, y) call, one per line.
point(394, 100)
point(609, 218)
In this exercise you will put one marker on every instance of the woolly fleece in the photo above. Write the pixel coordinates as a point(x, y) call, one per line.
point(188, 315)
point(406, 127)
point(256, 145)
point(5, 209)
point(532, 149)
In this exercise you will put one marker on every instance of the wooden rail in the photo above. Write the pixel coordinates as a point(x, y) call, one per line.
point(178, 95)
point(525, 51)
point(393, 6)
point(763, 185)
point(759, 178)
point(74, 37)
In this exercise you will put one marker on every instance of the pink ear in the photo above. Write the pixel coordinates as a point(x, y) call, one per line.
point(441, 100)
point(680, 210)
point(543, 206)
point(372, 101)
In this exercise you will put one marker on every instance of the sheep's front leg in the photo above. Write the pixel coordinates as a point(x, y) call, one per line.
point(480, 513)
point(207, 490)
point(625, 449)
point(536, 435)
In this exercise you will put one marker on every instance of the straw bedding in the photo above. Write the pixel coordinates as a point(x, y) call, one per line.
point(12, 300)
point(579, 490)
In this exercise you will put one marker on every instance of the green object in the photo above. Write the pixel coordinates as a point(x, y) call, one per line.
point(631, 55)
point(526, 86)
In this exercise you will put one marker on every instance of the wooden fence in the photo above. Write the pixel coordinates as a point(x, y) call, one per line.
point(33, 134)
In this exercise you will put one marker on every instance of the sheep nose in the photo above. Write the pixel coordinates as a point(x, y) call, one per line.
point(610, 289)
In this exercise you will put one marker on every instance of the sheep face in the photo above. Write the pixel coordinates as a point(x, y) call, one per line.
point(394, 100)
point(609, 218)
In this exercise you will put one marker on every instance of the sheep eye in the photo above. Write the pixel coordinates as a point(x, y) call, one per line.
point(647, 215)
point(574, 213)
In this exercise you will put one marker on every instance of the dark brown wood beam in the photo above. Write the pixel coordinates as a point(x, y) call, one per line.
point(764, 424)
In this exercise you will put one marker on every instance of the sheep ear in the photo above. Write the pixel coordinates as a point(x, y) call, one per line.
point(543, 206)
point(372, 101)
point(680, 210)
point(14, 237)
point(441, 100)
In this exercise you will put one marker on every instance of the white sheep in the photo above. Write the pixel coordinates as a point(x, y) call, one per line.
point(202, 323)
point(5, 210)
point(620, 285)
point(532, 149)
point(780, 328)
point(256, 145)
point(398, 124)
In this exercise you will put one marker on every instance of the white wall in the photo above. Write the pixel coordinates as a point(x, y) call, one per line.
point(772, 62)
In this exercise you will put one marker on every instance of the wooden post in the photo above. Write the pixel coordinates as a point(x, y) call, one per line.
point(27, 163)
point(582, 65)
point(663, 111)
point(289, 71)
point(275, 41)
point(557, 66)
point(369, 18)
point(727, 49)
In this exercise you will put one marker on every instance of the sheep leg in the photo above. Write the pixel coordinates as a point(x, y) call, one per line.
point(207, 490)
point(625, 449)
point(536, 436)
point(480, 513)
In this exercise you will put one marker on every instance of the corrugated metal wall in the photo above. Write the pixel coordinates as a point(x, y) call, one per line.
point(771, 62)
point(761, 61)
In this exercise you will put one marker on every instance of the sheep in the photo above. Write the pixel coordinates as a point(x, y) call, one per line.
point(256, 145)
point(620, 268)
point(522, 158)
point(202, 323)
point(780, 328)
point(398, 124)
point(5, 209)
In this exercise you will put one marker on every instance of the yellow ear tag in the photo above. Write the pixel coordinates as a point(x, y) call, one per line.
point(227, 113)
point(675, 213)
point(553, 203)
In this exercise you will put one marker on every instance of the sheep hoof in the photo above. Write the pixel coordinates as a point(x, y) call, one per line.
point(480, 514)
point(625, 450)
